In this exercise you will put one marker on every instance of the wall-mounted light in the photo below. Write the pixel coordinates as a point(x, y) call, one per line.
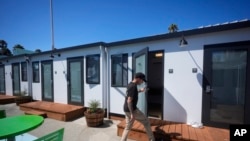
point(27, 58)
point(51, 56)
point(158, 55)
point(183, 42)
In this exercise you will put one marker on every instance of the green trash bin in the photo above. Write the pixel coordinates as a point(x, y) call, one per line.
point(2, 114)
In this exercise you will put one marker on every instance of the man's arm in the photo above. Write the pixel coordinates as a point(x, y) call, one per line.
point(142, 90)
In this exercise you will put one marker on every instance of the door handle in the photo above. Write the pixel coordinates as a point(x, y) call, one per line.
point(208, 89)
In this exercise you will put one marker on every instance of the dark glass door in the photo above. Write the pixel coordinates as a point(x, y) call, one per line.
point(2, 79)
point(75, 81)
point(225, 84)
point(47, 80)
point(16, 78)
point(140, 65)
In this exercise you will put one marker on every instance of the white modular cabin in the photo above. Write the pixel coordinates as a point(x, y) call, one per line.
point(58, 75)
point(206, 81)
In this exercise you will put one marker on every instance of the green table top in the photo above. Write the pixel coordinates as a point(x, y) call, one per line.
point(16, 125)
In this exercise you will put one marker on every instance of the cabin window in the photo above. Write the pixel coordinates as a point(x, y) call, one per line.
point(119, 68)
point(93, 69)
point(35, 68)
point(24, 71)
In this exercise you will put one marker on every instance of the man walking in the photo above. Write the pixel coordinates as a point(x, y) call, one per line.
point(131, 111)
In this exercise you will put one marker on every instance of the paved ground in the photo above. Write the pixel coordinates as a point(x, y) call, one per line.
point(76, 130)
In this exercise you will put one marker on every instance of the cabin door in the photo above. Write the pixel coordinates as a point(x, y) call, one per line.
point(2, 79)
point(140, 65)
point(47, 81)
point(226, 93)
point(75, 81)
point(16, 78)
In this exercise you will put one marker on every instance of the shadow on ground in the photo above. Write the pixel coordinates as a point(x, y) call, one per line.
point(106, 123)
point(161, 135)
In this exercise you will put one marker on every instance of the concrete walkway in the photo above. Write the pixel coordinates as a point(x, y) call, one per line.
point(76, 130)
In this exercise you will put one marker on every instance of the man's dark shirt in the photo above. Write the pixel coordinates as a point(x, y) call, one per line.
point(132, 92)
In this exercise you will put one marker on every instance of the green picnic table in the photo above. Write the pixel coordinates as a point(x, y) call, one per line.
point(16, 125)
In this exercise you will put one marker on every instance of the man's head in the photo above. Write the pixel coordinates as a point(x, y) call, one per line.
point(140, 78)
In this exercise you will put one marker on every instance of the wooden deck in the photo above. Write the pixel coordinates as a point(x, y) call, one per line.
point(58, 111)
point(174, 131)
point(6, 99)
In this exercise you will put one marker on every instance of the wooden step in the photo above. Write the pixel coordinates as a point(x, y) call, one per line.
point(6, 99)
point(174, 131)
point(34, 112)
point(58, 111)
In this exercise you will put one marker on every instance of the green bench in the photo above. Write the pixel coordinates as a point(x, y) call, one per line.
point(2, 114)
point(54, 136)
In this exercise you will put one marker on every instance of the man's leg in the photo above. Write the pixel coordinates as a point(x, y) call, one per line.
point(144, 120)
point(129, 125)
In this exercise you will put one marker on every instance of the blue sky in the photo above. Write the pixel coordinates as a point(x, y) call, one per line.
point(27, 22)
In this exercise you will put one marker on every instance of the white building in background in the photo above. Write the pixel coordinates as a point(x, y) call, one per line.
point(206, 81)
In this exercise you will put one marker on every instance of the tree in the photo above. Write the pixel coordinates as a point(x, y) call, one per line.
point(3, 44)
point(4, 49)
point(173, 28)
point(38, 50)
point(18, 46)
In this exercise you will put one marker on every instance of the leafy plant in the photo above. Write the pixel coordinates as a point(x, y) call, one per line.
point(94, 106)
point(173, 28)
point(24, 92)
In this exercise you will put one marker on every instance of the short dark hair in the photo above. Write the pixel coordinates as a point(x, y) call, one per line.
point(141, 76)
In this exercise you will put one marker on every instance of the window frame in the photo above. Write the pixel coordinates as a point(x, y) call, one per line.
point(123, 55)
point(88, 81)
point(33, 72)
point(24, 64)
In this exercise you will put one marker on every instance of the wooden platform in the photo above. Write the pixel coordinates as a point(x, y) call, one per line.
point(173, 131)
point(63, 112)
point(6, 99)
point(33, 112)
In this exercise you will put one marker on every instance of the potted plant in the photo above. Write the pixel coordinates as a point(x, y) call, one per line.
point(94, 114)
point(23, 97)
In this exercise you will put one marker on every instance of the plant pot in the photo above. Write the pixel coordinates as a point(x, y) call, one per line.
point(94, 119)
point(23, 99)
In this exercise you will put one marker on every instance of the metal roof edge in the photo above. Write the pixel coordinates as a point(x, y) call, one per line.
point(204, 30)
point(56, 50)
point(70, 48)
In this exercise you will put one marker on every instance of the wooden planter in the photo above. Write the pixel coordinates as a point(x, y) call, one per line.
point(94, 119)
point(23, 99)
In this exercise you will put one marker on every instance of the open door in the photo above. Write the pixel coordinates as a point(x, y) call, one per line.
point(140, 65)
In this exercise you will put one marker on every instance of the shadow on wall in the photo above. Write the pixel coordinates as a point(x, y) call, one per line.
point(92, 85)
point(199, 78)
point(120, 92)
point(192, 57)
point(173, 110)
